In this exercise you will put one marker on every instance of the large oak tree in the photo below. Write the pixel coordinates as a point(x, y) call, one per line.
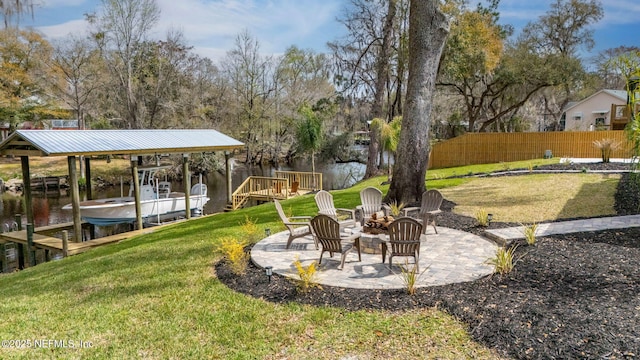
point(428, 31)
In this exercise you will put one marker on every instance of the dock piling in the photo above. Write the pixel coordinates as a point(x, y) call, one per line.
point(30, 249)
point(65, 243)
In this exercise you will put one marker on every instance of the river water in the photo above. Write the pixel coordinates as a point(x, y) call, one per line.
point(47, 207)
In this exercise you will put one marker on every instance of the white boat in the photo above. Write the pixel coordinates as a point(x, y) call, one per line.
point(156, 201)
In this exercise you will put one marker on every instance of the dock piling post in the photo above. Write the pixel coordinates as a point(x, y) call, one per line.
point(30, 249)
point(18, 227)
point(65, 243)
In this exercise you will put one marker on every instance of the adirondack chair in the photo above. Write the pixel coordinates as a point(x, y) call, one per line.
point(295, 186)
point(404, 240)
point(371, 203)
point(324, 201)
point(327, 231)
point(429, 207)
point(298, 226)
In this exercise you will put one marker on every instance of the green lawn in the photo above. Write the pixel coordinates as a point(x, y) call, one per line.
point(157, 296)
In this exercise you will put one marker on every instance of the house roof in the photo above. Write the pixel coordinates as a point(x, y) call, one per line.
point(619, 94)
point(115, 142)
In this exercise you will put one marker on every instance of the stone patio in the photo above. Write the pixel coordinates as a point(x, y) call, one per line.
point(451, 256)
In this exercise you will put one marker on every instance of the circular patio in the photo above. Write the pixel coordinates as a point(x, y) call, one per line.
point(451, 256)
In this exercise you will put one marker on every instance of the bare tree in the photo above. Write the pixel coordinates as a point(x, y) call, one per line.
point(608, 74)
point(428, 31)
point(80, 67)
point(250, 79)
point(367, 60)
point(120, 31)
point(13, 9)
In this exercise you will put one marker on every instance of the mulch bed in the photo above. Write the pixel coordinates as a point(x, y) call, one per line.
point(569, 296)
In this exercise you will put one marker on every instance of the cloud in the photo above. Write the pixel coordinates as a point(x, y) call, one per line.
point(64, 29)
point(276, 24)
point(619, 12)
point(52, 4)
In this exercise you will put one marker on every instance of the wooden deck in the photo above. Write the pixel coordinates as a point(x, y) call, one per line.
point(42, 240)
point(280, 187)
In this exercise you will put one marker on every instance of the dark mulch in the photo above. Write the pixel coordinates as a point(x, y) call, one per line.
point(570, 296)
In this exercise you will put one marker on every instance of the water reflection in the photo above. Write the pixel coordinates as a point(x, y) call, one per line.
point(47, 206)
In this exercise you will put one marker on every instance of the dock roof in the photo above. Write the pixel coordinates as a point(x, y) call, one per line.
point(115, 142)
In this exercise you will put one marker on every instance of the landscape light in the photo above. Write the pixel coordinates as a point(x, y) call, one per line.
point(269, 271)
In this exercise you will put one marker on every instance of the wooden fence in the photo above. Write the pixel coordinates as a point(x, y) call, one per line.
point(485, 148)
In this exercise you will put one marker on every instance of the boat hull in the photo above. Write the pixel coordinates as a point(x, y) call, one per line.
point(123, 209)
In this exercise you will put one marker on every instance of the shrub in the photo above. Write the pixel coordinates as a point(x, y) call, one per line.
point(82, 183)
point(530, 233)
point(606, 146)
point(482, 217)
point(233, 250)
point(307, 275)
point(396, 208)
point(250, 229)
point(503, 262)
point(410, 277)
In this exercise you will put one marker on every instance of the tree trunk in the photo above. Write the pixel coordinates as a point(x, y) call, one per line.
point(428, 30)
point(382, 76)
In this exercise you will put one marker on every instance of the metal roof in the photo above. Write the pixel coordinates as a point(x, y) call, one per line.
point(115, 142)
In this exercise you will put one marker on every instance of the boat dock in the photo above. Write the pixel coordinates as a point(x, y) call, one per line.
point(43, 239)
point(48, 182)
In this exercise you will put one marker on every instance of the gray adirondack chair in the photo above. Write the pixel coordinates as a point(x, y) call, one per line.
point(324, 201)
point(327, 231)
point(429, 207)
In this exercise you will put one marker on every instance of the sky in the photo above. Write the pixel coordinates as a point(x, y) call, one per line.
point(211, 26)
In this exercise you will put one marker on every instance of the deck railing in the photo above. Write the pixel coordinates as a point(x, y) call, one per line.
point(309, 181)
point(266, 188)
point(278, 187)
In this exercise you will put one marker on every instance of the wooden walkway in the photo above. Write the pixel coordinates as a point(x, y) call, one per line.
point(43, 240)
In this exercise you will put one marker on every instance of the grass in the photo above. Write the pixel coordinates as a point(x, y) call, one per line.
point(10, 168)
point(487, 168)
point(157, 296)
point(537, 197)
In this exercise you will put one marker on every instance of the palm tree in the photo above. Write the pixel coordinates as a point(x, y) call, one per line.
point(390, 134)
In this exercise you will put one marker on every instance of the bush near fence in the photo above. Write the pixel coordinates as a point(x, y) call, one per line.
point(486, 148)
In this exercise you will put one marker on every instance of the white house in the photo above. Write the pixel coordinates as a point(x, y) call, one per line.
point(604, 110)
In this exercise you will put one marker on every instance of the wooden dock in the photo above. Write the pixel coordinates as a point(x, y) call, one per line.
point(284, 185)
point(48, 182)
point(43, 240)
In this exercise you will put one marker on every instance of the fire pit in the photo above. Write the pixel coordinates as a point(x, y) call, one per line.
point(377, 224)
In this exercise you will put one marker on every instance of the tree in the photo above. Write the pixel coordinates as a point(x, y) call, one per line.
point(23, 92)
point(251, 85)
point(309, 134)
point(302, 77)
point(494, 84)
point(120, 31)
point(428, 31)
point(79, 68)
point(628, 64)
point(472, 54)
point(370, 62)
point(389, 135)
point(607, 73)
point(15, 8)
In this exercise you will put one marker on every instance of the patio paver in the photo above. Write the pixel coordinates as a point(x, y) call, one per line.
point(565, 227)
point(451, 256)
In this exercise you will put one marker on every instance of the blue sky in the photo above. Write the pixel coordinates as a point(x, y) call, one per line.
point(211, 26)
